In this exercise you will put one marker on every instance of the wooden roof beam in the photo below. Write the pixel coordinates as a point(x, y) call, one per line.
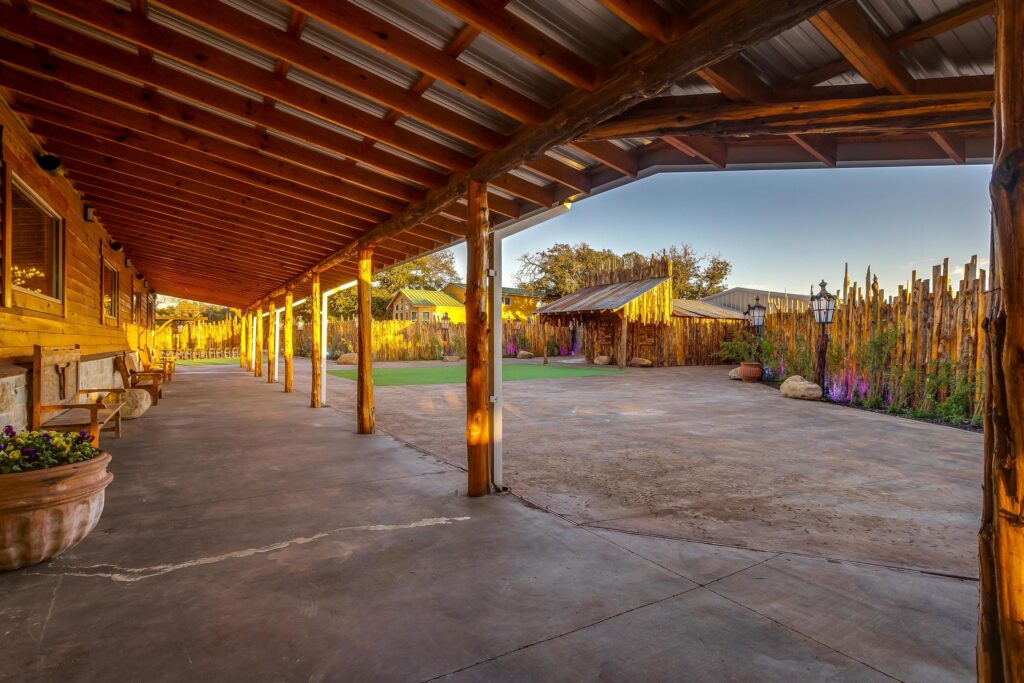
point(94, 51)
point(880, 114)
point(851, 33)
point(608, 154)
point(937, 25)
point(734, 26)
point(291, 49)
point(372, 30)
point(705, 148)
point(518, 35)
point(209, 59)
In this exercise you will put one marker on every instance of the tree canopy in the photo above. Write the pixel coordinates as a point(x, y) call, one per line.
point(562, 268)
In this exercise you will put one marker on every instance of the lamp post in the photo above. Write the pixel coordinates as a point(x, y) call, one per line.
point(755, 318)
point(445, 324)
point(823, 305)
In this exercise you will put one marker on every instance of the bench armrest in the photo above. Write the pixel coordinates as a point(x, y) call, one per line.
point(118, 390)
point(91, 407)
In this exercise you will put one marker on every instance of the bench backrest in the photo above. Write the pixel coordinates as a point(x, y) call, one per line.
point(54, 378)
point(121, 365)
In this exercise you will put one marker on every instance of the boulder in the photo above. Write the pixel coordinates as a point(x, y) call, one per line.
point(638, 362)
point(735, 374)
point(602, 360)
point(348, 358)
point(450, 359)
point(524, 355)
point(797, 387)
point(136, 402)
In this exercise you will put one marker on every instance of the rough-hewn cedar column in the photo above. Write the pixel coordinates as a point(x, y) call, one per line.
point(477, 428)
point(317, 353)
point(271, 342)
point(1001, 539)
point(257, 361)
point(364, 375)
point(243, 341)
point(289, 341)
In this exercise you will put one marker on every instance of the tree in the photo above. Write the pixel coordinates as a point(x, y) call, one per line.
point(186, 308)
point(433, 271)
point(562, 268)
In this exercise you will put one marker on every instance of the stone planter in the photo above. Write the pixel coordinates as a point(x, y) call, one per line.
point(45, 512)
point(750, 372)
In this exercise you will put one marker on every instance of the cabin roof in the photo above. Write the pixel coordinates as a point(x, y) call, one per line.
point(601, 298)
point(428, 297)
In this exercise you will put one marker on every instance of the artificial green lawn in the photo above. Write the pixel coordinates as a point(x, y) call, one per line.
point(456, 374)
point(208, 361)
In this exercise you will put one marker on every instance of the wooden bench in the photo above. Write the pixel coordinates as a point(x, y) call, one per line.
point(133, 378)
point(165, 365)
point(60, 404)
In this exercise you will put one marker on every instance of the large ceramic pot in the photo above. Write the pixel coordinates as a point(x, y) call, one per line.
point(750, 372)
point(45, 512)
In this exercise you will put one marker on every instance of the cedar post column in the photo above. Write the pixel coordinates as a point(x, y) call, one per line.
point(1001, 538)
point(271, 342)
point(243, 350)
point(623, 336)
point(257, 360)
point(477, 429)
point(289, 341)
point(364, 373)
point(317, 353)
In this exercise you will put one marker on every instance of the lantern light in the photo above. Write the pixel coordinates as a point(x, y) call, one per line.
point(445, 321)
point(823, 304)
point(755, 314)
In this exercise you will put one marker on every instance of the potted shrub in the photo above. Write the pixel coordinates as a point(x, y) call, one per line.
point(745, 350)
point(51, 493)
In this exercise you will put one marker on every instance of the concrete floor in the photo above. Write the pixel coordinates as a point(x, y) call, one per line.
point(247, 537)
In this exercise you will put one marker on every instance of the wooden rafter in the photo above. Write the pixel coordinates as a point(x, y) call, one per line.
point(735, 26)
point(880, 114)
point(851, 33)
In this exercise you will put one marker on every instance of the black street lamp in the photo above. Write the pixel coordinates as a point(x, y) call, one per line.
point(823, 305)
point(445, 324)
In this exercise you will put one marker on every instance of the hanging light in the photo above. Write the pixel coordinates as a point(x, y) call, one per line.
point(445, 322)
point(823, 304)
point(755, 314)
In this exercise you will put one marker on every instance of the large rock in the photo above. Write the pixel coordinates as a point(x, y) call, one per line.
point(451, 359)
point(638, 362)
point(735, 374)
point(797, 387)
point(523, 355)
point(348, 358)
point(602, 360)
point(136, 403)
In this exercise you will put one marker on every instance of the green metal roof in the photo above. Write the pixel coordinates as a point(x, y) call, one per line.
point(429, 297)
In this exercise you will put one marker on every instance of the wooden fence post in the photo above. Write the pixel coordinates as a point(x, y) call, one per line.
point(271, 342)
point(477, 428)
point(289, 341)
point(1001, 538)
point(364, 373)
point(317, 352)
point(623, 336)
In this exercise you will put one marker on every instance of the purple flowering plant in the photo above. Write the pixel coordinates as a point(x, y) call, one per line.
point(38, 450)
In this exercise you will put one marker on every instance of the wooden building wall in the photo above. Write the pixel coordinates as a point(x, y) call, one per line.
point(26, 320)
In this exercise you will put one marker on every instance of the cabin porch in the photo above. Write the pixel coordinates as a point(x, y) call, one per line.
point(250, 538)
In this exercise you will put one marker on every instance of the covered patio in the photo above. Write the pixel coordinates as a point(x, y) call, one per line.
point(289, 548)
point(262, 153)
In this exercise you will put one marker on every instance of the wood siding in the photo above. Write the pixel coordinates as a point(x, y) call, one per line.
point(26, 320)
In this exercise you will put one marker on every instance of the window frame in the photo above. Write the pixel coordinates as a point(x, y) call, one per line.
point(16, 183)
point(115, 294)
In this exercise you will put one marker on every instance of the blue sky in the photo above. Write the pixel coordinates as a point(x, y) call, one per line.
point(784, 230)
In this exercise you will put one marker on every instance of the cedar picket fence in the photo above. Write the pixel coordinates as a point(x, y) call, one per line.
point(917, 351)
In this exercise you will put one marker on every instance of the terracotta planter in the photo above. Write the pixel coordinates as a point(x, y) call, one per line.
point(45, 512)
point(750, 372)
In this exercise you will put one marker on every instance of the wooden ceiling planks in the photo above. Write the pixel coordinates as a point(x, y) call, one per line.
point(267, 160)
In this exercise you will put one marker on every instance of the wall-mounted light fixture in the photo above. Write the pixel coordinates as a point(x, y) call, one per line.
point(115, 245)
point(50, 164)
point(89, 213)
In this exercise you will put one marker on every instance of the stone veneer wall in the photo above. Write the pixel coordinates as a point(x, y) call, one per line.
point(16, 388)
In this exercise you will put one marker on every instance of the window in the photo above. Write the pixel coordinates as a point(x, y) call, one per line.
point(35, 245)
point(426, 316)
point(137, 307)
point(109, 291)
point(507, 300)
point(414, 315)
